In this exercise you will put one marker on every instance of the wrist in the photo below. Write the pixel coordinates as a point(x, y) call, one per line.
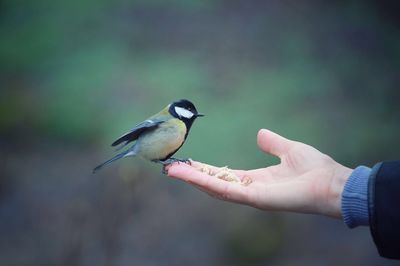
point(339, 179)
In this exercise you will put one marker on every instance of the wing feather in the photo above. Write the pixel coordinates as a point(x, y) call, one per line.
point(135, 132)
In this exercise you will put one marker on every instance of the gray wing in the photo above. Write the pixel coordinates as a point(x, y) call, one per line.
point(135, 132)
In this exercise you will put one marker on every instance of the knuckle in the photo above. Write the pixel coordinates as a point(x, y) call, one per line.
point(223, 196)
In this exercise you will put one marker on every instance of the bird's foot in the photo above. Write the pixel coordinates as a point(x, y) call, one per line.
point(173, 160)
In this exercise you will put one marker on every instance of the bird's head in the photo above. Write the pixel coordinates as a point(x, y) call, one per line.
point(184, 110)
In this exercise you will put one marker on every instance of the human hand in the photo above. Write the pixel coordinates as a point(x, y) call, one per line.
point(306, 180)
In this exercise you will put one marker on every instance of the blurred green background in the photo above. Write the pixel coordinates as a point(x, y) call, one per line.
point(77, 74)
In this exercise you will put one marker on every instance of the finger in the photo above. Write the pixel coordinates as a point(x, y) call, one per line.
point(202, 166)
point(206, 191)
point(213, 170)
point(273, 143)
point(193, 163)
point(220, 188)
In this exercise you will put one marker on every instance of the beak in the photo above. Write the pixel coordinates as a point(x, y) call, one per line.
point(199, 115)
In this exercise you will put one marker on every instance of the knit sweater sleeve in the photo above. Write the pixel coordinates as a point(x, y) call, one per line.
point(355, 198)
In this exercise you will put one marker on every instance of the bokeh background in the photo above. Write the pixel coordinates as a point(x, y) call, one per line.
point(77, 74)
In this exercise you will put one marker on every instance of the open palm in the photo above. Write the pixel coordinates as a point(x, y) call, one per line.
point(306, 180)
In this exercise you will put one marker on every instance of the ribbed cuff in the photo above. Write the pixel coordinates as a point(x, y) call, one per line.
point(355, 198)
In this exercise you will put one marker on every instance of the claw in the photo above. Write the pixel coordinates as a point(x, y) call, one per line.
point(165, 172)
point(172, 160)
point(175, 160)
point(187, 161)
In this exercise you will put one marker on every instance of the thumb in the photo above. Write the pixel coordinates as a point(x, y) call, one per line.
point(272, 143)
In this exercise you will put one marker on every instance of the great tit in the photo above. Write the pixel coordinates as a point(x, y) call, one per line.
point(160, 136)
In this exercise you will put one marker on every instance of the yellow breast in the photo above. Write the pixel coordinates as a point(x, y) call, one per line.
point(164, 140)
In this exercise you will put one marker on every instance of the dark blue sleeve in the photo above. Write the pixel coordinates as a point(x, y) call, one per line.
point(384, 208)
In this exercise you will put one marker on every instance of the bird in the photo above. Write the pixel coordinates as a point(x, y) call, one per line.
point(159, 137)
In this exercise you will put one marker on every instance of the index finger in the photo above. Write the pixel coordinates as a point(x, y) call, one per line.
point(224, 189)
point(213, 170)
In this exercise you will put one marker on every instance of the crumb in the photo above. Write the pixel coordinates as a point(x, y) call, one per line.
point(224, 173)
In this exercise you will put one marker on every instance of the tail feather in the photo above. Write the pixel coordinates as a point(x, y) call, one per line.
point(116, 157)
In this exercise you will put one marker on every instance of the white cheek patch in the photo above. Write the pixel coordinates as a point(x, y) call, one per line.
point(182, 112)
